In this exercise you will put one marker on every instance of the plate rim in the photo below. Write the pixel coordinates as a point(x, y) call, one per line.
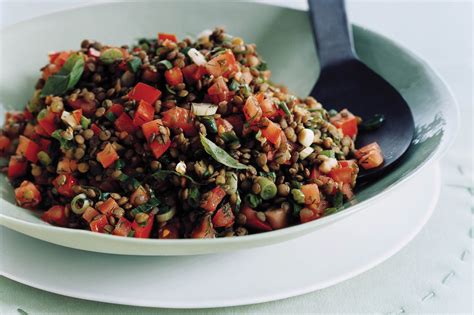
point(269, 297)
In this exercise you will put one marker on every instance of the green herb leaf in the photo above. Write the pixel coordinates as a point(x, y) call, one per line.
point(253, 200)
point(209, 122)
point(63, 142)
point(134, 64)
point(66, 78)
point(194, 197)
point(55, 85)
point(111, 55)
point(219, 154)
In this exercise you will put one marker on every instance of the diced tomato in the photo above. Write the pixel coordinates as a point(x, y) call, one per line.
point(223, 126)
point(89, 214)
point(224, 217)
point(52, 56)
point(44, 144)
point(88, 108)
point(47, 121)
point(159, 149)
point(151, 127)
point(114, 112)
point(108, 206)
point(66, 166)
point(213, 198)
point(61, 59)
point(273, 133)
point(204, 229)
point(344, 172)
point(193, 73)
point(143, 114)
point(98, 224)
point(253, 222)
point(178, 117)
point(347, 191)
point(124, 123)
point(143, 230)
point(222, 65)
point(144, 92)
point(252, 111)
point(64, 183)
point(27, 195)
point(49, 70)
point(28, 149)
point(4, 143)
point(371, 160)
point(374, 146)
point(30, 132)
point(313, 212)
point(345, 121)
point(219, 92)
point(107, 156)
point(277, 218)
point(174, 76)
point(269, 109)
point(96, 129)
point(164, 36)
point(77, 114)
point(247, 77)
point(17, 166)
point(57, 215)
point(311, 194)
point(237, 123)
point(123, 227)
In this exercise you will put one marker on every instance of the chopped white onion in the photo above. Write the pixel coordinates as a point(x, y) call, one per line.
point(306, 137)
point(306, 152)
point(203, 109)
point(328, 165)
point(69, 119)
point(181, 168)
point(197, 57)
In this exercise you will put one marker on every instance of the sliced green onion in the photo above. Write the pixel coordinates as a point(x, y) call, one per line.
point(203, 109)
point(119, 164)
point(85, 122)
point(268, 188)
point(166, 216)
point(79, 204)
point(229, 136)
point(210, 123)
point(134, 64)
point(234, 85)
point(168, 65)
point(253, 200)
point(170, 90)
point(231, 181)
point(111, 55)
point(328, 153)
point(44, 158)
point(284, 107)
point(298, 195)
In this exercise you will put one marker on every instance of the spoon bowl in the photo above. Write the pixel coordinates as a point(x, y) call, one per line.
point(346, 82)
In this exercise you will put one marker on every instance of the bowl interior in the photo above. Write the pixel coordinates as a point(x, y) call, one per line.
point(283, 38)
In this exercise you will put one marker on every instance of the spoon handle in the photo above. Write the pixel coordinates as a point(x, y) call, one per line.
point(331, 31)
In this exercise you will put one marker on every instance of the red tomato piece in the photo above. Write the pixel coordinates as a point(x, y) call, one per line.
point(170, 230)
point(212, 199)
point(174, 76)
point(311, 194)
point(4, 143)
point(374, 146)
point(371, 160)
point(204, 229)
point(108, 206)
point(124, 123)
point(122, 228)
point(88, 108)
point(222, 65)
point(252, 110)
point(253, 222)
point(144, 92)
point(167, 36)
point(28, 149)
point(345, 121)
point(237, 123)
point(77, 114)
point(143, 230)
point(273, 133)
point(193, 73)
point(277, 218)
point(158, 149)
point(224, 217)
point(139, 196)
point(64, 183)
point(96, 129)
point(114, 111)
point(47, 121)
point(98, 224)
point(143, 114)
point(17, 166)
point(89, 214)
point(107, 156)
point(27, 195)
point(179, 117)
point(151, 127)
point(57, 215)
point(223, 126)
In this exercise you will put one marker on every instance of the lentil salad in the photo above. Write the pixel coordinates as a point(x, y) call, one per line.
point(177, 139)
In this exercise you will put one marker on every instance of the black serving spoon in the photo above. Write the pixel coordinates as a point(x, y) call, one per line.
point(346, 82)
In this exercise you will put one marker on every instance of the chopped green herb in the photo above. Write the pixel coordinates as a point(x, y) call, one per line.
point(328, 153)
point(262, 66)
point(234, 85)
point(253, 200)
point(168, 65)
point(210, 123)
point(296, 209)
point(284, 108)
point(331, 210)
point(153, 202)
point(111, 55)
point(338, 200)
point(134, 64)
point(194, 197)
point(85, 122)
point(219, 154)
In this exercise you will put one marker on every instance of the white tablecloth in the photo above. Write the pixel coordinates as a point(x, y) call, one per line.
point(433, 274)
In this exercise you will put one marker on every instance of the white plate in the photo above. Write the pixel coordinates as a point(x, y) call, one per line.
point(312, 262)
